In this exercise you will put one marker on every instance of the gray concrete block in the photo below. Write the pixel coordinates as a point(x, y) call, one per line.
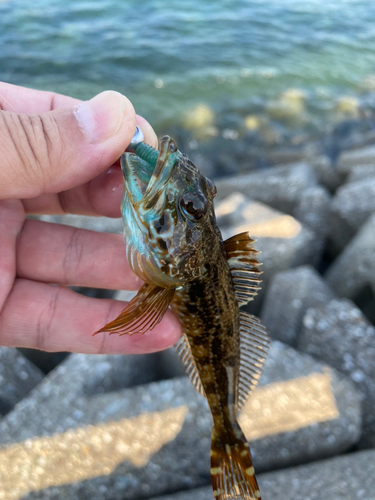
point(326, 172)
point(312, 209)
point(341, 336)
point(154, 439)
point(288, 296)
point(346, 477)
point(169, 363)
point(354, 268)
point(284, 242)
point(350, 208)
point(361, 156)
point(280, 187)
point(17, 377)
point(360, 172)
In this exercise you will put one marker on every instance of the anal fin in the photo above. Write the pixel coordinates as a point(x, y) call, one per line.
point(143, 312)
point(254, 343)
point(184, 351)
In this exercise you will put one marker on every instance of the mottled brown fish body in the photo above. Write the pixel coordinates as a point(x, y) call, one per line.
point(208, 312)
point(175, 246)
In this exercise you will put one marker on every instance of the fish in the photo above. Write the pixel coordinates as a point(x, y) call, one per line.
point(174, 245)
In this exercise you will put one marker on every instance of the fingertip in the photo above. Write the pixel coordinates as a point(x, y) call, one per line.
point(148, 132)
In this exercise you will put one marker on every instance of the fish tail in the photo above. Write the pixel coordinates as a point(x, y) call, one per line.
point(232, 470)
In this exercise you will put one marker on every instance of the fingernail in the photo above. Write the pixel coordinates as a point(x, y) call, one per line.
point(102, 116)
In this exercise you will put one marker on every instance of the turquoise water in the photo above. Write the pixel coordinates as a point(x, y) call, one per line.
point(167, 55)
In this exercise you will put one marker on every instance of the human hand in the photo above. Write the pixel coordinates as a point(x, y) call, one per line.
point(59, 157)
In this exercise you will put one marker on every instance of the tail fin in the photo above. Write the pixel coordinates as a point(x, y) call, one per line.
point(232, 471)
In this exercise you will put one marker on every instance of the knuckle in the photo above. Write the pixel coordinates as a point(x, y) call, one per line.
point(46, 320)
point(73, 256)
point(32, 143)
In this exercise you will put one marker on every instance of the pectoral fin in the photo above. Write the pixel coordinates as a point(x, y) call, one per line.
point(143, 312)
point(242, 260)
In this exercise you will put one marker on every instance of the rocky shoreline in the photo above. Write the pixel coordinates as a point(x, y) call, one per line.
point(133, 427)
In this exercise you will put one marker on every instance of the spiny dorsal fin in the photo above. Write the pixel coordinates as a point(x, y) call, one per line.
point(254, 343)
point(143, 312)
point(184, 351)
point(242, 260)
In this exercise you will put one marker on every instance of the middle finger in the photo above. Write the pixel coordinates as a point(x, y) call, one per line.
point(65, 255)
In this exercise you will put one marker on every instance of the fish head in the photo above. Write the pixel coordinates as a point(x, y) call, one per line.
point(168, 213)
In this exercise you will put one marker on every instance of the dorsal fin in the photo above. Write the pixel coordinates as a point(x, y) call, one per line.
point(242, 260)
point(143, 312)
point(184, 351)
point(254, 343)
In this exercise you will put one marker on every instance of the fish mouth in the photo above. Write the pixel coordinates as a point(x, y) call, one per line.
point(143, 175)
point(137, 174)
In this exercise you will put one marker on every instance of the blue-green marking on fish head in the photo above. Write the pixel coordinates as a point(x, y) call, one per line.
point(164, 206)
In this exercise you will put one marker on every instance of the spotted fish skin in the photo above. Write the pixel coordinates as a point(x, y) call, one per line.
point(208, 312)
point(175, 246)
point(209, 316)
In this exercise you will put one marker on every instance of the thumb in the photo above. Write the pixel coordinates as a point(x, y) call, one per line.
point(61, 149)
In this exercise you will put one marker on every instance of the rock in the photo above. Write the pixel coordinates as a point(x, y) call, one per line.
point(326, 171)
point(347, 107)
point(351, 158)
point(285, 155)
point(312, 210)
point(280, 187)
point(340, 478)
point(17, 377)
point(45, 361)
point(290, 107)
point(340, 335)
point(253, 122)
point(77, 378)
point(354, 268)
point(169, 364)
point(283, 241)
point(154, 439)
point(200, 117)
point(288, 296)
point(350, 208)
point(360, 172)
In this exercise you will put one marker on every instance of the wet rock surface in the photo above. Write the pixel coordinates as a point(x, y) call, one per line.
point(17, 377)
point(339, 333)
point(354, 268)
point(283, 241)
point(351, 207)
point(354, 157)
point(288, 296)
point(340, 478)
point(280, 187)
point(137, 439)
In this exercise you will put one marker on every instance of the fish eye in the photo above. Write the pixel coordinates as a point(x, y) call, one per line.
point(193, 205)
